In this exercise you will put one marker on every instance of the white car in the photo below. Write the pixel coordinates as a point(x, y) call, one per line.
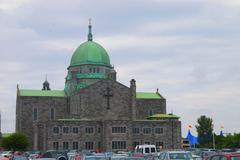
point(146, 149)
point(7, 154)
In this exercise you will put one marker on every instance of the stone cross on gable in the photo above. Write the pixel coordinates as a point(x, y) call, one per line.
point(108, 94)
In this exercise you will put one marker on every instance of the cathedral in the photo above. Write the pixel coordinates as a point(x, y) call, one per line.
point(94, 111)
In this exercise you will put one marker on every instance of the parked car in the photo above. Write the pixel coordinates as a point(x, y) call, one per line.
point(133, 158)
point(4, 158)
point(161, 155)
point(33, 156)
point(118, 156)
point(238, 150)
point(19, 157)
point(146, 149)
point(194, 155)
point(59, 155)
point(7, 154)
point(227, 150)
point(196, 151)
point(46, 159)
point(209, 150)
point(205, 154)
point(95, 157)
point(224, 156)
point(176, 155)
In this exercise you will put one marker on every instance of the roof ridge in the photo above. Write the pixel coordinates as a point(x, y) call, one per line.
point(146, 92)
point(148, 95)
point(41, 93)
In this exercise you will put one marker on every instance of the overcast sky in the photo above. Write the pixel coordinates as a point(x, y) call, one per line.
point(189, 49)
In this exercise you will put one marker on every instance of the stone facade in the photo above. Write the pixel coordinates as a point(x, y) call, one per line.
point(89, 108)
point(94, 111)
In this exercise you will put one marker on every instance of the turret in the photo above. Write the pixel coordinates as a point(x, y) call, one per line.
point(46, 85)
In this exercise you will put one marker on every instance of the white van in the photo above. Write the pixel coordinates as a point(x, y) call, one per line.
point(146, 149)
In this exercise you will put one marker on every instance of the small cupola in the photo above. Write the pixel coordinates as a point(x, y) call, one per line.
point(46, 85)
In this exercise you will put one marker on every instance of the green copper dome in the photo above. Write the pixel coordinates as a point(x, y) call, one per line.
point(90, 53)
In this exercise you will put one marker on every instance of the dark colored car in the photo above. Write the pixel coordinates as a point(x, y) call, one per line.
point(224, 156)
point(206, 154)
point(59, 155)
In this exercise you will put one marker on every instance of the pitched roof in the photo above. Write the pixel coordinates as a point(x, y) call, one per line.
point(61, 93)
point(148, 95)
point(41, 93)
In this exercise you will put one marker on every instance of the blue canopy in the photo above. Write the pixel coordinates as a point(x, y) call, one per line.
point(192, 139)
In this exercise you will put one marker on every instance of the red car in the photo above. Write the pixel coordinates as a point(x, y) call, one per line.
point(224, 156)
point(4, 158)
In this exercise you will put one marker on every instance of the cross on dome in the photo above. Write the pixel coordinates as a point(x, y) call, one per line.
point(90, 36)
point(89, 21)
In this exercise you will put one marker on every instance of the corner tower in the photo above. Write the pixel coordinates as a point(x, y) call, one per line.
point(89, 63)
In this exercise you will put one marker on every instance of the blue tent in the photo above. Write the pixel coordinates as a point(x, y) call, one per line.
point(192, 139)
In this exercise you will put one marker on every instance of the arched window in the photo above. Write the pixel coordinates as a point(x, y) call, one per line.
point(55, 130)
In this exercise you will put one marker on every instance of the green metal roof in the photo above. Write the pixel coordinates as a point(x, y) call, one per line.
point(148, 95)
point(162, 116)
point(90, 53)
point(41, 93)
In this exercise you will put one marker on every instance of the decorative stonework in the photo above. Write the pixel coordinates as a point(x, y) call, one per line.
point(108, 94)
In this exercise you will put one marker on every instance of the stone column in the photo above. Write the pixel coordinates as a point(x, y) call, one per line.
point(104, 139)
point(40, 137)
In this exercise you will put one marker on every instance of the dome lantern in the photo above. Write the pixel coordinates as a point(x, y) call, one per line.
point(90, 37)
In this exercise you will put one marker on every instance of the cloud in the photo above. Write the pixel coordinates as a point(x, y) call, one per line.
point(10, 5)
point(188, 49)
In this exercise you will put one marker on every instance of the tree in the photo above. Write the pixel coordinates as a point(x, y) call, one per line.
point(15, 142)
point(231, 141)
point(0, 139)
point(205, 131)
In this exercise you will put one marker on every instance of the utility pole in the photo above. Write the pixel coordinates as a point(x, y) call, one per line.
point(213, 136)
point(172, 135)
point(0, 121)
point(213, 140)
